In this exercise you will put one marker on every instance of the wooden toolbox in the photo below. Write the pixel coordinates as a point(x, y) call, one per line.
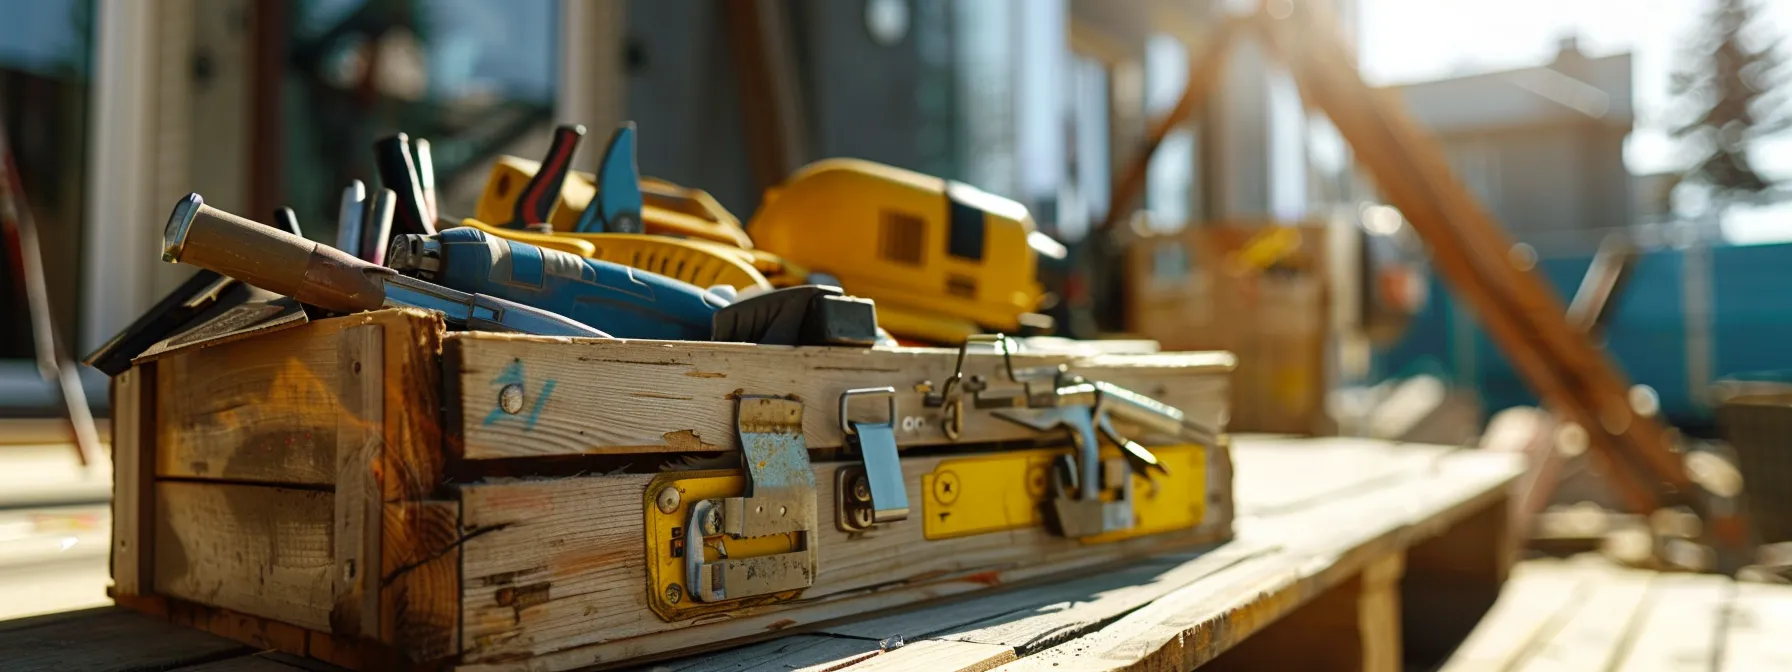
point(375, 492)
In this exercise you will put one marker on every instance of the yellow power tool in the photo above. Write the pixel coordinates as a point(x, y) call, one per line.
point(943, 260)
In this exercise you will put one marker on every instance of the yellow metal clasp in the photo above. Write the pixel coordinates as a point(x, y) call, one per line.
point(718, 541)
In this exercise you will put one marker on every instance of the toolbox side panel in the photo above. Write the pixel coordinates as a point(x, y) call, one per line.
point(260, 550)
point(623, 396)
point(555, 570)
point(269, 409)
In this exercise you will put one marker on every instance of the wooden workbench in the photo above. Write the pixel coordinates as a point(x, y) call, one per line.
point(1587, 614)
point(1350, 554)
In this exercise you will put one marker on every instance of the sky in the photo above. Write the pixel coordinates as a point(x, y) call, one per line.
point(1415, 40)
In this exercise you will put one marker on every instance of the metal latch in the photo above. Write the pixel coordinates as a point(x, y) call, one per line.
point(1077, 506)
point(723, 540)
point(1036, 385)
point(873, 492)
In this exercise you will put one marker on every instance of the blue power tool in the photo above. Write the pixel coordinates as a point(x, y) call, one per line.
point(621, 301)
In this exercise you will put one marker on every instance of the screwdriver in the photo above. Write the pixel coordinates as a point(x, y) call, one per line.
point(618, 299)
point(329, 278)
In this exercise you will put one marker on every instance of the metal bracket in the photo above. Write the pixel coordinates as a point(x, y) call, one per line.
point(875, 492)
point(779, 498)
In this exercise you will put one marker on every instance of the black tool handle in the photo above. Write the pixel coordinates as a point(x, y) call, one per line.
point(392, 155)
point(537, 199)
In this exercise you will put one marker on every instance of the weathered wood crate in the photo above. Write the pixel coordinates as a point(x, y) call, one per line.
point(375, 492)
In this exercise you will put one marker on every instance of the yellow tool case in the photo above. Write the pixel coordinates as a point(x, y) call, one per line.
point(378, 493)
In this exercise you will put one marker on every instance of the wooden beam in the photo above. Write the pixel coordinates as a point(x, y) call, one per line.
point(1207, 66)
point(358, 508)
point(624, 396)
point(1352, 626)
point(133, 481)
point(760, 40)
point(1518, 308)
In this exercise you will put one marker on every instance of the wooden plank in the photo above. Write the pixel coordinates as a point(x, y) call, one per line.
point(1596, 628)
point(261, 409)
point(110, 639)
point(934, 654)
point(796, 652)
point(266, 409)
point(259, 550)
point(1283, 475)
point(1679, 631)
point(1452, 579)
point(576, 543)
point(1535, 604)
point(1038, 617)
point(412, 459)
point(661, 396)
point(133, 473)
point(358, 507)
point(1756, 637)
point(266, 662)
point(1190, 625)
point(1352, 626)
point(420, 594)
point(1323, 546)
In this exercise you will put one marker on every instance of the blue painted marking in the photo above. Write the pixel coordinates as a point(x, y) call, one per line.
point(513, 375)
point(540, 400)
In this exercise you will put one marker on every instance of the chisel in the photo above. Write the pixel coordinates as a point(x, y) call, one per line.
point(329, 278)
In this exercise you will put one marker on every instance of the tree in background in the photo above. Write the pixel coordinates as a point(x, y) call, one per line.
point(1730, 95)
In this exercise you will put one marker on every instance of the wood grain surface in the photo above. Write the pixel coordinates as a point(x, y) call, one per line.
point(623, 396)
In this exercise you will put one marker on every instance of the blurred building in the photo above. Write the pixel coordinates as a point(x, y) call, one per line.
point(1543, 147)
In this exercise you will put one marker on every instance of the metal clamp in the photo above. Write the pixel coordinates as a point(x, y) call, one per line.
point(779, 498)
point(950, 395)
point(874, 492)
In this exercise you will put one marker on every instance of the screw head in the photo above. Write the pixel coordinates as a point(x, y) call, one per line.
point(674, 593)
point(511, 398)
point(861, 489)
point(667, 499)
point(945, 487)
